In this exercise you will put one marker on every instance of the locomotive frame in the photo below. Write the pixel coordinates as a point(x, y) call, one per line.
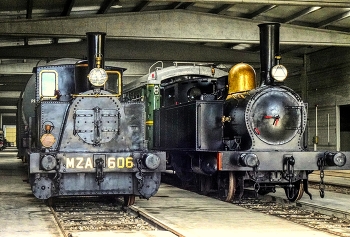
point(81, 139)
point(239, 136)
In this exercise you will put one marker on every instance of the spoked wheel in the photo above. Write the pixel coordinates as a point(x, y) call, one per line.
point(296, 192)
point(129, 200)
point(227, 186)
point(205, 184)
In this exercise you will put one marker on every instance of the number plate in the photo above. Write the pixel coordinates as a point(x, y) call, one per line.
point(89, 162)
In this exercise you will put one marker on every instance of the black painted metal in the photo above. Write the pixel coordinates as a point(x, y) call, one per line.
point(80, 76)
point(269, 48)
point(100, 141)
point(66, 83)
point(189, 88)
point(191, 126)
point(96, 48)
point(257, 134)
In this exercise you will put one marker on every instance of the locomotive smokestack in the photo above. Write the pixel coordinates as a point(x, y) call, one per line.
point(96, 49)
point(93, 75)
point(269, 49)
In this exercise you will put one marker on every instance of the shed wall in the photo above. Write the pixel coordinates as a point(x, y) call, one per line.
point(325, 84)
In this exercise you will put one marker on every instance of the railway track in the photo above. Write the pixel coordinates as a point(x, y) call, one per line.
point(96, 214)
point(91, 214)
point(315, 216)
point(318, 217)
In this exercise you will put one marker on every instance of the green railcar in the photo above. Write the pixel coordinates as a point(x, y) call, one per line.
point(148, 88)
point(149, 93)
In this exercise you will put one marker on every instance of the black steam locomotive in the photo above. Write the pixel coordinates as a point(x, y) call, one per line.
point(79, 138)
point(228, 134)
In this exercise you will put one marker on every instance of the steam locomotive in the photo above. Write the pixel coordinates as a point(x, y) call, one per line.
point(227, 134)
point(79, 138)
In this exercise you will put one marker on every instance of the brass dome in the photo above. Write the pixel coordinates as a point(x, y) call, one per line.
point(241, 78)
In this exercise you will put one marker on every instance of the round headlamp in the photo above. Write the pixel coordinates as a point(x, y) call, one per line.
point(98, 76)
point(335, 159)
point(248, 160)
point(48, 162)
point(279, 72)
point(47, 140)
point(152, 161)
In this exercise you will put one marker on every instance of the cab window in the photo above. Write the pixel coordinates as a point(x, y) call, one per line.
point(48, 84)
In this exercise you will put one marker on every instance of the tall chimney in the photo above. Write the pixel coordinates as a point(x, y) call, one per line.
point(269, 49)
point(96, 49)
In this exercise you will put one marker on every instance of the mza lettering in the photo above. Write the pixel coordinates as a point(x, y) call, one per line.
point(88, 163)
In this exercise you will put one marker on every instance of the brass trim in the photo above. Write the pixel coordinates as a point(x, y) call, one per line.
point(241, 78)
point(96, 95)
point(119, 81)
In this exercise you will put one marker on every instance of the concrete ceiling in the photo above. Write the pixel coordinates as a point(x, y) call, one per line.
point(140, 33)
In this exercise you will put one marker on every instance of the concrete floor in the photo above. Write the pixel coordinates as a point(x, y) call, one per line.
point(21, 214)
point(194, 215)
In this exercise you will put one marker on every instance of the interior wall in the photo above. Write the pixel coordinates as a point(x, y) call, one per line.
point(325, 85)
point(10, 134)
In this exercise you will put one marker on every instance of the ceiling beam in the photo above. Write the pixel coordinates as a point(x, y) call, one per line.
point(221, 9)
point(13, 79)
point(185, 5)
point(29, 9)
point(300, 14)
point(106, 5)
point(133, 69)
point(260, 11)
point(173, 5)
point(68, 7)
point(333, 19)
point(9, 94)
point(19, 68)
point(8, 114)
point(134, 50)
point(129, 51)
point(141, 6)
point(321, 3)
point(13, 87)
point(9, 101)
point(200, 27)
point(6, 107)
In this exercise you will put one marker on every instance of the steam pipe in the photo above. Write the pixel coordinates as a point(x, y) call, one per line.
point(269, 49)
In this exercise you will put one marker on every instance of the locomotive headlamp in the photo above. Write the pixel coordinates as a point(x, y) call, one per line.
point(279, 72)
point(47, 140)
point(335, 159)
point(98, 76)
point(248, 160)
point(48, 162)
point(151, 161)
